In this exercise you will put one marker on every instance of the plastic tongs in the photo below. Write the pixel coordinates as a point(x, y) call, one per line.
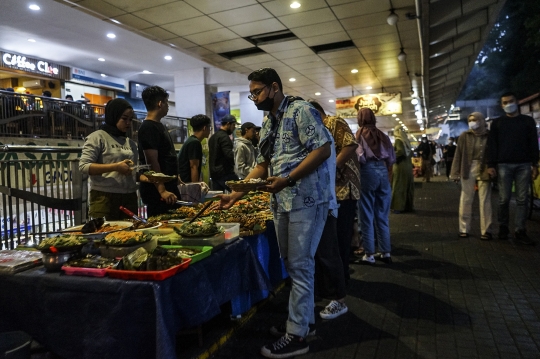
point(131, 214)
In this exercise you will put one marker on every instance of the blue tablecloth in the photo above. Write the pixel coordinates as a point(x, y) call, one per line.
point(83, 317)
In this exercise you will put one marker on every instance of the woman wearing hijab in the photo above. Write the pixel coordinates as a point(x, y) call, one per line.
point(108, 156)
point(402, 174)
point(376, 156)
point(470, 167)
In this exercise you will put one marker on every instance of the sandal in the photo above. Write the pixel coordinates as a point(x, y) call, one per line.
point(463, 235)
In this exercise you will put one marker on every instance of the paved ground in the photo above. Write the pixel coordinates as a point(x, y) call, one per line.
point(443, 297)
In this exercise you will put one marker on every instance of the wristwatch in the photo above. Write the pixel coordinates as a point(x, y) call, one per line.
point(290, 181)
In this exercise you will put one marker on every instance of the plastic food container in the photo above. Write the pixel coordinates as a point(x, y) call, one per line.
point(148, 275)
point(205, 252)
point(232, 231)
point(89, 272)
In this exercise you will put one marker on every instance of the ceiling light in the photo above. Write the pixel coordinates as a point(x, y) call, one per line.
point(402, 55)
point(414, 101)
point(394, 115)
point(419, 122)
point(110, 35)
point(317, 94)
point(330, 100)
point(354, 71)
point(368, 87)
point(168, 57)
point(292, 79)
point(101, 59)
point(31, 40)
point(103, 75)
point(295, 5)
point(392, 19)
point(34, 7)
point(146, 72)
point(115, 21)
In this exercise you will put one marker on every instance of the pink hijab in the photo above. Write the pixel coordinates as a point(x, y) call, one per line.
point(374, 137)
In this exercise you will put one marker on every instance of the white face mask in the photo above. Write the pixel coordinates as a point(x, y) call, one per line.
point(473, 125)
point(510, 108)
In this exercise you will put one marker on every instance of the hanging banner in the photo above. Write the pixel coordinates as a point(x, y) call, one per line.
point(382, 104)
point(221, 107)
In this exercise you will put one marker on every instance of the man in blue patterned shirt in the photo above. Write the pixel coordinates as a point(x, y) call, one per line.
point(296, 149)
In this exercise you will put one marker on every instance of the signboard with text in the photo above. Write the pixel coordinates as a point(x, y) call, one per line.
point(382, 104)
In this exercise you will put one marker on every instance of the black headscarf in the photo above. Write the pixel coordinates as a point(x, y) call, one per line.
point(113, 111)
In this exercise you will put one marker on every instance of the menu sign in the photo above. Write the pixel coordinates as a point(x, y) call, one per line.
point(23, 63)
point(382, 104)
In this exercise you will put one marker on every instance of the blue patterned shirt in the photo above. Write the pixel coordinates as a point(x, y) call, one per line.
point(300, 131)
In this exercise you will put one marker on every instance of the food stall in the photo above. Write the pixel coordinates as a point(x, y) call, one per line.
point(88, 317)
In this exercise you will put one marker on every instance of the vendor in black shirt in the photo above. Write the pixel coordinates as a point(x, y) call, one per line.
point(190, 156)
point(222, 155)
point(512, 156)
point(157, 149)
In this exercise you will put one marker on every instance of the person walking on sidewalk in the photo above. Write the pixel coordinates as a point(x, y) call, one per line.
point(296, 149)
point(376, 156)
point(470, 167)
point(513, 157)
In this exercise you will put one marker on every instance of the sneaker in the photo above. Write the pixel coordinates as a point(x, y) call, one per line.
point(280, 330)
point(503, 232)
point(333, 310)
point(523, 238)
point(385, 257)
point(367, 259)
point(287, 346)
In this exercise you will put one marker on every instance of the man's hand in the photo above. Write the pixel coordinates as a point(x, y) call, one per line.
point(276, 184)
point(168, 197)
point(492, 172)
point(124, 167)
point(534, 172)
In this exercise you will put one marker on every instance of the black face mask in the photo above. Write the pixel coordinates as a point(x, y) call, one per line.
point(266, 105)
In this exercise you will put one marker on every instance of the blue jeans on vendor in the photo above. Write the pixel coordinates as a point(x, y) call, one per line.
point(298, 234)
point(375, 198)
point(508, 173)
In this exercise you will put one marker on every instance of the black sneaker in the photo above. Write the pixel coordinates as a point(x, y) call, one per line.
point(280, 330)
point(523, 238)
point(287, 346)
point(503, 232)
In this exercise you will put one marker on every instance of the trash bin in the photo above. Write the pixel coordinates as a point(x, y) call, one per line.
point(15, 345)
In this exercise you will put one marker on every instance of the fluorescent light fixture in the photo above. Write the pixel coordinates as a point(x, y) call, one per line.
point(110, 35)
point(101, 59)
point(317, 94)
point(292, 79)
point(330, 100)
point(115, 21)
point(295, 5)
point(31, 40)
point(354, 71)
point(34, 7)
point(103, 75)
point(146, 72)
point(368, 87)
point(168, 57)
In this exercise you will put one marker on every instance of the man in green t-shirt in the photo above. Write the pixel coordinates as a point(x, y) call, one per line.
point(191, 153)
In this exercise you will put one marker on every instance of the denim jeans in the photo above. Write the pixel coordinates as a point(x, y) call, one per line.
point(298, 234)
point(375, 198)
point(521, 174)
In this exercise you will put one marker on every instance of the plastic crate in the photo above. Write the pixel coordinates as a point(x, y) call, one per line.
point(232, 231)
point(148, 275)
point(205, 251)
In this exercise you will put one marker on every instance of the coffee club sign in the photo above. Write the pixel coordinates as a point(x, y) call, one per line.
point(28, 64)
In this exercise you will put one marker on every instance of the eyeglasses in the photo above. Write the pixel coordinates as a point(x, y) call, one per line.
point(253, 95)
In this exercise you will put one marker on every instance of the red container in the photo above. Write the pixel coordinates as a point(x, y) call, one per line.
point(89, 272)
point(148, 275)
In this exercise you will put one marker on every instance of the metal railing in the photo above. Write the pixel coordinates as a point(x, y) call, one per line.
point(40, 195)
point(41, 117)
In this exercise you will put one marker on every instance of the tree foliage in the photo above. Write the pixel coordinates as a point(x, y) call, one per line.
point(510, 58)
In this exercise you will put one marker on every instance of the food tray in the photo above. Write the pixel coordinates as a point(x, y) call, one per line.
point(162, 178)
point(245, 187)
point(148, 275)
point(205, 251)
point(88, 272)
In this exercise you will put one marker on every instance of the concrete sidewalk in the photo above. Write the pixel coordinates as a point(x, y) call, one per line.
point(443, 297)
